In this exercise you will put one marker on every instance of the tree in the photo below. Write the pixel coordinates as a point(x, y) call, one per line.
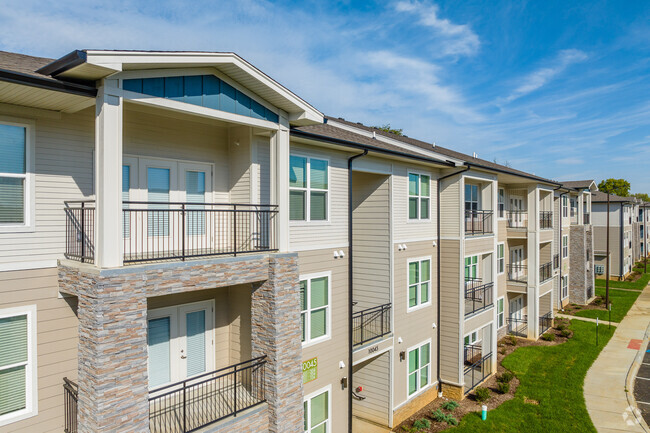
point(643, 196)
point(619, 187)
point(387, 128)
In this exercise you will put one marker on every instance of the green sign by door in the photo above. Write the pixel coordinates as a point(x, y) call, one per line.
point(309, 370)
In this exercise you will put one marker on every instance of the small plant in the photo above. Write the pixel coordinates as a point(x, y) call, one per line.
point(598, 301)
point(439, 415)
point(506, 377)
point(422, 424)
point(503, 387)
point(565, 333)
point(548, 337)
point(482, 394)
point(512, 340)
point(450, 405)
point(560, 327)
point(502, 351)
point(452, 421)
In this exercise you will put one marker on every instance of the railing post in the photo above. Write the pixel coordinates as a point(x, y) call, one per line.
point(83, 233)
point(234, 230)
point(184, 407)
point(235, 391)
point(361, 325)
point(183, 232)
point(382, 320)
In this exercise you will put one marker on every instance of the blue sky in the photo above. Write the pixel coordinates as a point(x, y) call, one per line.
point(559, 89)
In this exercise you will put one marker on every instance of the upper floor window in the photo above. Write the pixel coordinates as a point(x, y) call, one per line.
point(314, 306)
point(14, 178)
point(471, 197)
point(419, 363)
point(419, 196)
point(501, 261)
point(565, 206)
point(502, 203)
point(308, 188)
point(565, 246)
point(471, 268)
point(419, 282)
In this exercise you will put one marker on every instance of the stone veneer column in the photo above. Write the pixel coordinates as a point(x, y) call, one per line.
point(275, 320)
point(577, 265)
point(113, 393)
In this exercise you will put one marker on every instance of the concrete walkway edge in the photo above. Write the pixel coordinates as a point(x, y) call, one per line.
point(586, 319)
point(631, 377)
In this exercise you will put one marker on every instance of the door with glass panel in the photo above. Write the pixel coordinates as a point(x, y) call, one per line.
point(180, 342)
point(516, 215)
point(200, 217)
point(516, 307)
point(517, 271)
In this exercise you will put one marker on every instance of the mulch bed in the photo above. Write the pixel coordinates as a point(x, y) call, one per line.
point(597, 304)
point(469, 404)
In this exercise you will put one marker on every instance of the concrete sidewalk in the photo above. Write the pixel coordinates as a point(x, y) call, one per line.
point(586, 319)
point(613, 371)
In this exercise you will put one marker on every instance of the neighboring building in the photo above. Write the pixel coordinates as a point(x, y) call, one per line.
point(189, 243)
point(621, 234)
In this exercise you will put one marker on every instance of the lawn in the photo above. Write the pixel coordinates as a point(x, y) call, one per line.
point(551, 375)
point(636, 285)
point(621, 302)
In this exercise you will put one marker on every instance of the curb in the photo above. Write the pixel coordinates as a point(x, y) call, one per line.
point(631, 377)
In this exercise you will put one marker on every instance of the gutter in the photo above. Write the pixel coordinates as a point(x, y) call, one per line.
point(47, 83)
point(466, 168)
point(69, 61)
point(355, 145)
point(350, 289)
point(527, 176)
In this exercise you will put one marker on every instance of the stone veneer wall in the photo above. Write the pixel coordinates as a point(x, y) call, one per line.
point(590, 272)
point(577, 264)
point(113, 379)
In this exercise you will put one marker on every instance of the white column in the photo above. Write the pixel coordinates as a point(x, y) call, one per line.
point(108, 176)
point(533, 260)
point(280, 179)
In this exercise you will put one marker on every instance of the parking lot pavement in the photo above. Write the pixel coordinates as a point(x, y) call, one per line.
point(642, 388)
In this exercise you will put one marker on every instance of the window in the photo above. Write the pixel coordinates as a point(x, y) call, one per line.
point(501, 261)
point(502, 203)
point(471, 338)
point(308, 189)
point(419, 363)
point(565, 246)
point(574, 209)
point(419, 195)
point(565, 286)
point(314, 306)
point(471, 197)
point(419, 282)
point(17, 364)
point(471, 268)
point(500, 313)
point(15, 180)
point(565, 206)
point(317, 412)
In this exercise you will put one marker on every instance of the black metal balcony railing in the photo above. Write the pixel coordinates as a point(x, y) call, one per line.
point(478, 222)
point(586, 218)
point(370, 323)
point(517, 219)
point(70, 399)
point(472, 353)
point(173, 231)
point(545, 322)
point(478, 295)
point(556, 261)
point(518, 326)
point(194, 403)
point(545, 220)
point(478, 370)
point(517, 273)
point(545, 272)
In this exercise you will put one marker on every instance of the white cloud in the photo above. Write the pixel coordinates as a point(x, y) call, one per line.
point(457, 39)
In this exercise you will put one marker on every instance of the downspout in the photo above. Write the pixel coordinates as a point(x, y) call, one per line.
point(466, 168)
point(559, 298)
point(350, 291)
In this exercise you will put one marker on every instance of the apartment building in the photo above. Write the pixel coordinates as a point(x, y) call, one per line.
point(191, 245)
point(622, 217)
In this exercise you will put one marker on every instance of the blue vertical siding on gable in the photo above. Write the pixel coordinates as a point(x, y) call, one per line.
point(202, 90)
point(211, 91)
point(154, 87)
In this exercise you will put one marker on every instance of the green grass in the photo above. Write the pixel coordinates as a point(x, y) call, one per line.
point(552, 375)
point(636, 285)
point(621, 303)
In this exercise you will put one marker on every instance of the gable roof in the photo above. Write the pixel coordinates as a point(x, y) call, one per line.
point(601, 197)
point(578, 184)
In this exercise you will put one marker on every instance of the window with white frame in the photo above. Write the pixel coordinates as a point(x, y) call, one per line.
point(316, 412)
point(565, 206)
point(419, 196)
point(471, 197)
point(471, 268)
point(15, 181)
point(500, 313)
point(419, 271)
point(565, 286)
point(17, 364)
point(308, 188)
point(471, 338)
point(501, 258)
point(565, 246)
point(315, 307)
point(419, 364)
point(502, 203)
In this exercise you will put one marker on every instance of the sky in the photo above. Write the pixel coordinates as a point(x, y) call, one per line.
point(555, 88)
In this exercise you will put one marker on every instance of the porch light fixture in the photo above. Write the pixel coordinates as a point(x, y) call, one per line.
point(341, 364)
point(402, 355)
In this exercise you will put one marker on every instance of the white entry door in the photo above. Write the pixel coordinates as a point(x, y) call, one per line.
point(180, 342)
point(516, 307)
point(200, 218)
point(517, 206)
point(516, 262)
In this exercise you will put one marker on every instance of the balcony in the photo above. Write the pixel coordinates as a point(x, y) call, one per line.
point(517, 273)
point(478, 222)
point(545, 220)
point(478, 295)
point(158, 231)
point(517, 219)
point(545, 272)
point(477, 366)
point(545, 322)
point(205, 399)
point(370, 323)
point(518, 326)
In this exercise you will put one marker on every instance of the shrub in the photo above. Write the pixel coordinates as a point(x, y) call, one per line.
point(565, 333)
point(598, 300)
point(482, 394)
point(450, 405)
point(548, 337)
point(505, 377)
point(560, 327)
point(503, 387)
point(452, 421)
point(512, 340)
point(502, 351)
point(421, 424)
point(439, 415)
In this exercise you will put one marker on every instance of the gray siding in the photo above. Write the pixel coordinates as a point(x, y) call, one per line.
point(374, 376)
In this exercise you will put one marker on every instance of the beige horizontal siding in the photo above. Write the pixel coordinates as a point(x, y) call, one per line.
point(450, 295)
